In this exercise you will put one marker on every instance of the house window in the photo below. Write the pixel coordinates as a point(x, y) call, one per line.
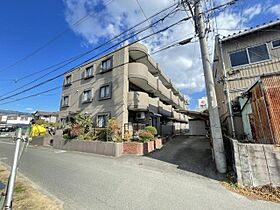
point(105, 92)
point(87, 96)
point(249, 55)
point(68, 80)
point(88, 72)
point(258, 53)
point(276, 43)
point(102, 120)
point(107, 65)
point(12, 118)
point(23, 118)
point(239, 58)
point(65, 101)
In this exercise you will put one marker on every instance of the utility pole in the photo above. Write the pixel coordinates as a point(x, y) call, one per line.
point(12, 178)
point(215, 124)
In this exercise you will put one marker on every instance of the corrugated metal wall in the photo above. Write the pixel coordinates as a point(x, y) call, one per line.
point(265, 117)
point(272, 94)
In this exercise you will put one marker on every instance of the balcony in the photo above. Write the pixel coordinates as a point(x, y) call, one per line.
point(163, 92)
point(140, 101)
point(139, 53)
point(140, 76)
point(165, 80)
point(182, 104)
point(176, 115)
point(165, 110)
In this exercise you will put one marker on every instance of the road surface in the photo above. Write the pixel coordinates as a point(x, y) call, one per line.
point(87, 181)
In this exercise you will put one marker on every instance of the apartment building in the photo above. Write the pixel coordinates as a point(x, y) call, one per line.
point(239, 60)
point(127, 85)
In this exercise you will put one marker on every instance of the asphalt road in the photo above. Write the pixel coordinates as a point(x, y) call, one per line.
point(86, 181)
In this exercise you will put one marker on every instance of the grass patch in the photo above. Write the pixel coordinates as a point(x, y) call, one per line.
point(266, 192)
point(26, 196)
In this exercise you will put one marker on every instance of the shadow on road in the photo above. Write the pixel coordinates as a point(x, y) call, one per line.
point(192, 154)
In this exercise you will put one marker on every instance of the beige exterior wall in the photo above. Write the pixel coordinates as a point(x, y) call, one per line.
point(242, 77)
point(144, 73)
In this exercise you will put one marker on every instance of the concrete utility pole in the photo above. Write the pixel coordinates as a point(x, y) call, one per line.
point(12, 178)
point(215, 124)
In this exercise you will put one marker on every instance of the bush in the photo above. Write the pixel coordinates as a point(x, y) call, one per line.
point(76, 131)
point(66, 136)
point(101, 134)
point(145, 136)
point(151, 129)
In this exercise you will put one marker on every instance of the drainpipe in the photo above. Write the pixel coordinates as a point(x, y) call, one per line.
point(227, 90)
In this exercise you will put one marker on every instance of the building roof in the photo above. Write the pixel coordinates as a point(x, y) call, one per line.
point(44, 113)
point(197, 115)
point(14, 113)
point(251, 30)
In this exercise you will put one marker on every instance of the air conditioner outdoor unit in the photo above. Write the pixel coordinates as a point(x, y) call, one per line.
point(140, 115)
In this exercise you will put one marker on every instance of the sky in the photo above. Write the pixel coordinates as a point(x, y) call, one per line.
point(51, 26)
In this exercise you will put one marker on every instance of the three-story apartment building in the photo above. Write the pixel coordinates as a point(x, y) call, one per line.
point(239, 60)
point(128, 85)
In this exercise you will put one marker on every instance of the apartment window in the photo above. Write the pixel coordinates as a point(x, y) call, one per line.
point(258, 53)
point(107, 65)
point(249, 55)
point(102, 120)
point(88, 72)
point(12, 118)
point(275, 43)
point(65, 101)
point(105, 92)
point(87, 96)
point(68, 80)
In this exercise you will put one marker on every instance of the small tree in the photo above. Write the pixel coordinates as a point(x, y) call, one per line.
point(151, 129)
point(84, 121)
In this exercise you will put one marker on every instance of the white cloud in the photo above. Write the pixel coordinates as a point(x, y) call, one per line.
point(275, 10)
point(182, 64)
point(29, 109)
point(253, 11)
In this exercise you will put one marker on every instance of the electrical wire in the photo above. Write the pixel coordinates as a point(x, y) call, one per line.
point(112, 47)
point(84, 18)
point(68, 61)
point(120, 65)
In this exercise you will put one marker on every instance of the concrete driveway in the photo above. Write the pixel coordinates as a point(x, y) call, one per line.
point(192, 154)
point(86, 181)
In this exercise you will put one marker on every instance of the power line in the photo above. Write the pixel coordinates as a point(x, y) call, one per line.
point(53, 78)
point(84, 18)
point(68, 61)
point(60, 86)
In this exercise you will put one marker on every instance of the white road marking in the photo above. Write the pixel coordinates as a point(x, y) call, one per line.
point(1, 142)
point(60, 151)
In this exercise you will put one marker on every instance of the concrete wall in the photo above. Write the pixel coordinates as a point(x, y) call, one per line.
point(197, 127)
point(256, 164)
point(97, 147)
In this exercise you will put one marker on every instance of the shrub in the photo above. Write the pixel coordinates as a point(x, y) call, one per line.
point(76, 130)
point(41, 122)
point(145, 136)
point(101, 134)
point(151, 129)
point(66, 136)
point(114, 131)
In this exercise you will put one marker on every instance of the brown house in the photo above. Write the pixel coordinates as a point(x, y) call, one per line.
point(239, 60)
